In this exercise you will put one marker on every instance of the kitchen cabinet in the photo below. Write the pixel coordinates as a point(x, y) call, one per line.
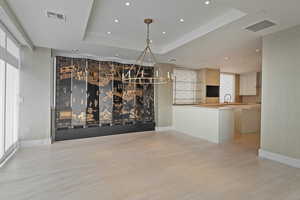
point(208, 77)
point(215, 124)
point(213, 77)
point(248, 84)
point(247, 119)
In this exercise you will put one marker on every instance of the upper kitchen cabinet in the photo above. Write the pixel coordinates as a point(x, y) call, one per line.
point(213, 77)
point(248, 84)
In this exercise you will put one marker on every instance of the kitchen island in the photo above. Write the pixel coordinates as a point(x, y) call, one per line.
point(215, 122)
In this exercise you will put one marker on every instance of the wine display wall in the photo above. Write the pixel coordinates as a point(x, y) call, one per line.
point(91, 93)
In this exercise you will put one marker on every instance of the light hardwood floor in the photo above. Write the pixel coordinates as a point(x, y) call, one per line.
point(146, 166)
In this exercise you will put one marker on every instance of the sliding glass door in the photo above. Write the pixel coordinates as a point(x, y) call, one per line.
point(11, 111)
point(2, 108)
point(9, 93)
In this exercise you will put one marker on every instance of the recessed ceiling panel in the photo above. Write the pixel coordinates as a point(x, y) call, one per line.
point(173, 21)
point(208, 34)
point(53, 23)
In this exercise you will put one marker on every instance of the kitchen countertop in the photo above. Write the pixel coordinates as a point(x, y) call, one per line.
point(223, 106)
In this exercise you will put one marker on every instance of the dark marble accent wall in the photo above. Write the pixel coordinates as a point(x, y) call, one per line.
point(64, 70)
point(148, 108)
point(128, 96)
point(105, 94)
point(91, 93)
point(79, 91)
point(117, 95)
point(92, 111)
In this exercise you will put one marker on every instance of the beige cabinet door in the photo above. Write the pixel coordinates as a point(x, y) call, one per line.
point(251, 83)
point(243, 84)
point(212, 77)
point(248, 84)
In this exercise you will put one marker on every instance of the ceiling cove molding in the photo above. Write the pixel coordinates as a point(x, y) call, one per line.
point(11, 21)
point(93, 38)
point(88, 20)
point(98, 58)
point(229, 17)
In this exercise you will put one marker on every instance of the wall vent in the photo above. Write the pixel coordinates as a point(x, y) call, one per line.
point(56, 16)
point(260, 26)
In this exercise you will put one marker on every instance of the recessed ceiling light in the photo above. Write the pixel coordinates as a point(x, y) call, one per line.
point(75, 50)
point(257, 50)
point(116, 20)
point(164, 32)
point(181, 20)
point(207, 2)
point(127, 3)
point(108, 32)
point(226, 58)
point(151, 41)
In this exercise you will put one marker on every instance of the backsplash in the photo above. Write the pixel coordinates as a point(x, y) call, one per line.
point(250, 99)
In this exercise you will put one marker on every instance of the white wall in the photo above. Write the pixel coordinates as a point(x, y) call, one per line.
point(281, 93)
point(35, 89)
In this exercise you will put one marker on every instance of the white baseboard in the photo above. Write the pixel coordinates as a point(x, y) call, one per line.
point(9, 156)
point(279, 158)
point(165, 128)
point(31, 143)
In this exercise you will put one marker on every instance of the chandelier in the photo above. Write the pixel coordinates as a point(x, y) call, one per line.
point(137, 74)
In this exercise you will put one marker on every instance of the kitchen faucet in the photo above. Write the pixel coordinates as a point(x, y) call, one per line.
point(226, 95)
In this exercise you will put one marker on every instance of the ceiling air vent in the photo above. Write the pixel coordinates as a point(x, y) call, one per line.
point(172, 60)
point(56, 16)
point(260, 26)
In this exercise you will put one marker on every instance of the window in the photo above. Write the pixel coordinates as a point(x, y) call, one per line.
point(185, 87)
point(227, 87)
point(11, 125)
point(9, 93)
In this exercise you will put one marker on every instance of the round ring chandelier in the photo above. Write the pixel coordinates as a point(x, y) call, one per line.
point(136, 73)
